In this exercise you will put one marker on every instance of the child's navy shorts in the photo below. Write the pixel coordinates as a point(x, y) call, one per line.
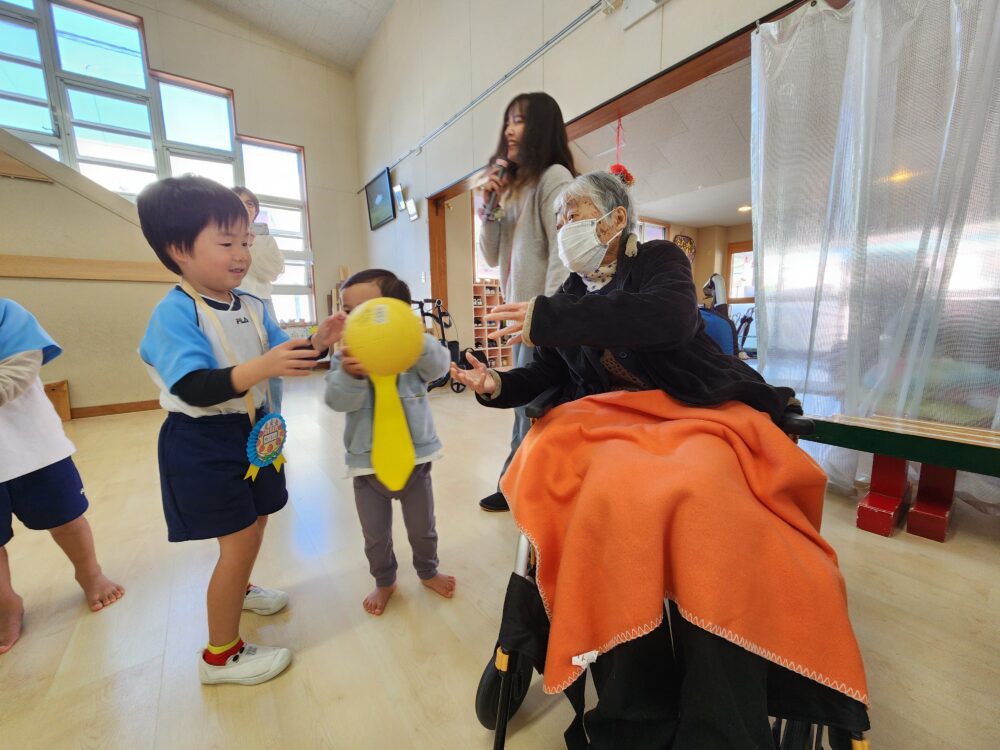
point(43, 499)
point(202, 464)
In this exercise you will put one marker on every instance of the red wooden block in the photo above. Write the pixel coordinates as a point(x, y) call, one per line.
point(879, 510)
point(931, 509)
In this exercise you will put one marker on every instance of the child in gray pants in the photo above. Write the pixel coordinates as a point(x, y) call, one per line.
point(349, 390)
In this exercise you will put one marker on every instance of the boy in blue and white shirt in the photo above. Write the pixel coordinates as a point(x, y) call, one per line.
point(211, 350)
point(38, 481)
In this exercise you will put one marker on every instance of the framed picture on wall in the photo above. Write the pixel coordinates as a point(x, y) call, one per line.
point(381, 206)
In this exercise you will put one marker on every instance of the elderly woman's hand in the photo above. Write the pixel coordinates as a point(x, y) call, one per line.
point(514, 313)
point(478, 378)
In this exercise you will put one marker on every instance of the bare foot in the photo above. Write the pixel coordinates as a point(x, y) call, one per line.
point(11, 617)
point(442, 584)
point(375, 602)
point(100, 590)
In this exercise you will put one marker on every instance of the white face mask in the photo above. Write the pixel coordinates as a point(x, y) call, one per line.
point(580, 249)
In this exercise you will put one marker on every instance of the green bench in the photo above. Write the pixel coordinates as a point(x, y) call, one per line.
point(941, 449)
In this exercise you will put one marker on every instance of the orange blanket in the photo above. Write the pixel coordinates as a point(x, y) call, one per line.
point(631, 497)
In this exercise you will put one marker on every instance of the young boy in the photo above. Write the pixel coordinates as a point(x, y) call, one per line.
point(211, 349)
point(38, 481)
point(349, 390)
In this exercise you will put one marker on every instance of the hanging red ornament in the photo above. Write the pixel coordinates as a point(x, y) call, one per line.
point(622, 173)
point(618, 169)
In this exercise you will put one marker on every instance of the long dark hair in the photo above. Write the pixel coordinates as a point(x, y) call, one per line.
point(544, 142)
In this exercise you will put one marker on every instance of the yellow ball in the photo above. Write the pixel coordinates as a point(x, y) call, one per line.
point(385, 335)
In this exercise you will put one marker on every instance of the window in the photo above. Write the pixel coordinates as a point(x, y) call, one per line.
point(50, 151)
point(97, 47)
point(741, 272)
point(196, 118)
point(652, 229)
point(273, 172)
point(275, 175)
point(24, 100)
point(222, 172)
point(75, 85)
point(741, 286)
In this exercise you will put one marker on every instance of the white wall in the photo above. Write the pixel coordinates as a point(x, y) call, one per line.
point(281, 93)
point(431, 57)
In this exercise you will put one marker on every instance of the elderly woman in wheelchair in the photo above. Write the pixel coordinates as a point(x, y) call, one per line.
point(663, 474)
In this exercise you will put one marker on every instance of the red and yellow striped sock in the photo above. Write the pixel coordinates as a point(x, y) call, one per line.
point(217, 656)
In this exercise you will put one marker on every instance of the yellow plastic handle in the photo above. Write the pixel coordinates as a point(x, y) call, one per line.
point(393, 457)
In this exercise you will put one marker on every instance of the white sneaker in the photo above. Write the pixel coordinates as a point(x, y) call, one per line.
point(251, 665)
point(263, 601)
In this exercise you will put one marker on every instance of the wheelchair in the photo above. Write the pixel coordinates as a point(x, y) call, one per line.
point(521, 645)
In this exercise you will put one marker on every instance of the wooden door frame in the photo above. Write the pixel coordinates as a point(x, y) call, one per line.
point(709, 61)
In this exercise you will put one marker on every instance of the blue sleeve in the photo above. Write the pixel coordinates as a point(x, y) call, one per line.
point(174, 344)
point(434, 362)
point(20, 332)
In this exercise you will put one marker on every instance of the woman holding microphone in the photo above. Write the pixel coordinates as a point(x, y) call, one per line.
point(530, 167)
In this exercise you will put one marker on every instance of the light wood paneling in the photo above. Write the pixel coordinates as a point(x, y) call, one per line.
point(11, 167)
point(87, 269)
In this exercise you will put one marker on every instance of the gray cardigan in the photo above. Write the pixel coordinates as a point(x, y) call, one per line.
point(530, 237)
point(355, 397)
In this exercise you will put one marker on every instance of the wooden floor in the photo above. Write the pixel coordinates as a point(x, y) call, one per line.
point(927, 615)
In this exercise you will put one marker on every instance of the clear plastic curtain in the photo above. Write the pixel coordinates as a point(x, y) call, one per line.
point(876, 197)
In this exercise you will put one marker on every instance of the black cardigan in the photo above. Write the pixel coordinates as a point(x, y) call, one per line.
point(647, 316)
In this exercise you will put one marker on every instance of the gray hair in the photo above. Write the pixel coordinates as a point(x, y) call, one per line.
point(604, 190)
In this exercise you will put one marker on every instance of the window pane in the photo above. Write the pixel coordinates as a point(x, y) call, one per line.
point(220, 171)
point(108, 110)
point(101, 144)
point(117, 179)
point(271, 171)
point(293, 307)
point(281, 219)
point(99, 48)
point(50, 151)
point(195, 117)
point(742, 276)
point(290, 243)
point(19, 41)
point(24, 80)
point(25, 116)
point(295, 274)
point(22, 3)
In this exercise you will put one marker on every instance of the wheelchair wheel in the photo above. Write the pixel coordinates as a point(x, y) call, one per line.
point(457, 387)
point(488, 693)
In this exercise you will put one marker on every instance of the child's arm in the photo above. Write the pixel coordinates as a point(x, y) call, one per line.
point(17, 373)
point(210, 386)
point(434, 360)
point(344, 392)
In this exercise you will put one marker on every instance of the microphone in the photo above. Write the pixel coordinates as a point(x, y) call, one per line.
point(494, 198)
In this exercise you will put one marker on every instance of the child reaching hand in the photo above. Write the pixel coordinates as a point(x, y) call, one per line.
point(349, 390)
point(211, 348)
point(38, 481)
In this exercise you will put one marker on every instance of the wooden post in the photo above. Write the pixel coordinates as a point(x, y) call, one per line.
point(931, 509)
point(879, 510)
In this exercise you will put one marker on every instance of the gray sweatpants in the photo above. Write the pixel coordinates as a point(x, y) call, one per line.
point(374, 502)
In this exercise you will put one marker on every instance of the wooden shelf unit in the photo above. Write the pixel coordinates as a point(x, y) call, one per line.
point(486, 296)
